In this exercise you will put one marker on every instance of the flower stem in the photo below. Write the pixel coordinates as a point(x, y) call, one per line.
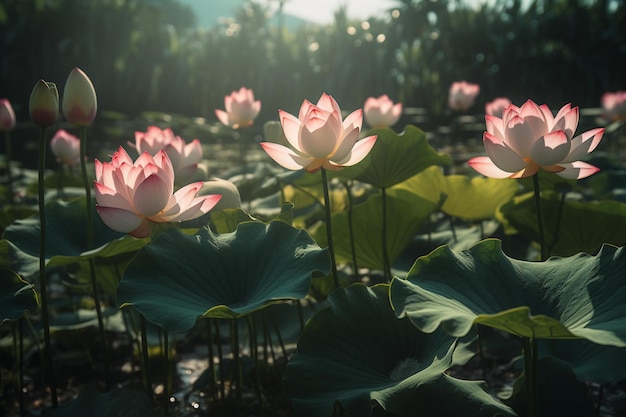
point(539, 216)
point(92, 265)
point(530, 374)
point(386, 263)
point(8, 151)
point(49, 366)
point(348, 185)
point(145, 358)
point(329, 232)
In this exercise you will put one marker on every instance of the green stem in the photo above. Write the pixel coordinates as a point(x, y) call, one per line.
point(557, 227)
point(211, 361)
point(237, 362)
point(220, 359)
point(348, 185)
point(8, 151)
point(539, 216)
point(49, 370)
point(166, 364)
point(386, 263)
point(530, 375)
point(92, 264)
point(329, 232)
point(20, 365)
point(145, 357)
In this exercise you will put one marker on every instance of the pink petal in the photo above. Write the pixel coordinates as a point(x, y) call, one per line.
point(346, 146)
point(584, 144)
point(550, 149)
point(119, 219)
point(223, 117)
point(485, 166)
point(501, 155)
point(110, 198)
point(151, 196)
point(577, 170)
point(291, 128)
point(360, 151)
point(354, 119)
point(318, 138)
point(285, 156)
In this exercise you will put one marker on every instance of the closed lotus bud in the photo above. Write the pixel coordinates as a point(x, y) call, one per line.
point(79, 99)
point(44, 104)
point(231, 199)
point(7, 115)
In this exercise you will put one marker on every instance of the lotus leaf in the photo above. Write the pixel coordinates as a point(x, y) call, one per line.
point(581, 296)
point(178, 278)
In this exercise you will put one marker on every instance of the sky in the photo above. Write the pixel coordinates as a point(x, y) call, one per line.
point(323, 11)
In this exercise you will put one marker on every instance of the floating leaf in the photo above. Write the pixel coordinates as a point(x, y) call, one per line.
point(356, 352)
point(468, 198)
point(178, 278)
point(571, 228)
point(581, 296)
point(367, 223)
point(118, 402)
point(395, 158)
point(66, 234)
point(16, 296)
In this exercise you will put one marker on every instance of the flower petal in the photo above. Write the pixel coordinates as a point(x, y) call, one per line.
point(285, 156)
point(501, 155)
point(550, 149)
point(118, 219)
point(485, 166)
point(359, 151)
point(151, 196)
point(584, 144)
point(577, 170)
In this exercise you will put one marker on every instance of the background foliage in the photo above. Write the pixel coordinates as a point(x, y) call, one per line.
point(150, 55)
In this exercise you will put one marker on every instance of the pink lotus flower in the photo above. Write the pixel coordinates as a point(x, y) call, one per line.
point(381, 111)
point(43, 106)
point(497, 106)
point(614, 105)
point(462, 94)
point(185, 157)
point(241, 109)
point(319, 138)
point(79, 99)
point(7, 115)
point(66, 148)
point(133, 195)
point(529, 138)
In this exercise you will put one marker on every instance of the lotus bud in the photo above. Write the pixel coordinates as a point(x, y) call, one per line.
point(79, 99)
point(7, 115)
point(44, 104)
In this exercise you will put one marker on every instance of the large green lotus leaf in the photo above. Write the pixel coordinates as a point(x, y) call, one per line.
point(367, 221)
point(66, 234)
point(13, 258)
point(118, 402)
point(178, 278)
point(467, 198)
point(395, 158)
point(590, 361)
point(16, 296)
point(559, 393)
point(356, 352)
point(578, 227)
point(581, 296)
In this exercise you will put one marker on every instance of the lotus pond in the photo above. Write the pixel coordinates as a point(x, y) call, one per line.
point(379, 274)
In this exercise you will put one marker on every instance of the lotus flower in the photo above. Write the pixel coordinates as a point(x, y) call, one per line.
point(7, 115)
point(529, 138)
point(185, 157)
point(381, 111)
point(241, 109)
point(66, 148)
point(462, 95)
point(133, 195)
point(79, 99)
point(614, 105)
point(497, 106)
point(43, 106)
point(319, 138)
